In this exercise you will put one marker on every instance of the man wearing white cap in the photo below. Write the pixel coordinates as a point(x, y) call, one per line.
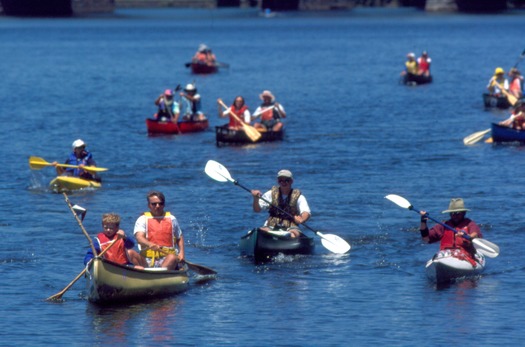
point(287, 199)
point(191, 104)
point(79, 157)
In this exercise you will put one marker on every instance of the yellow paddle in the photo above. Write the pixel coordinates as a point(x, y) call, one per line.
point(476, 137)
point(58, 295)
point(252, 133)
point(511, 98)
point(37, 163)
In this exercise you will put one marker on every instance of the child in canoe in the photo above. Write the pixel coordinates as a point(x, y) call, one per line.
point(122, 252)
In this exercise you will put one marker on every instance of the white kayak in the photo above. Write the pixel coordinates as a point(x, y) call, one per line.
point(451, 264)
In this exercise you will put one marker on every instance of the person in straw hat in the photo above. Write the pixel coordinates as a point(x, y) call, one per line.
point(270, 112)
point(449, 239)
point(288, 199)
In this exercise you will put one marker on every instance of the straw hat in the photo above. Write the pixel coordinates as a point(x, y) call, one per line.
point(267, 93)
point(456, 205)
point(499, 71)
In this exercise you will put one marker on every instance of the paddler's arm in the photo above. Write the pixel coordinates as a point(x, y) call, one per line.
point(256, 195)
point(143, 241)
point(423, 227)
point(180, 247)
point(302, 218)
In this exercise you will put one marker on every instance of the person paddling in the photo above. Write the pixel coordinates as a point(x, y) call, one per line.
point(81, 158)
point(450, 240)
point(292, 201)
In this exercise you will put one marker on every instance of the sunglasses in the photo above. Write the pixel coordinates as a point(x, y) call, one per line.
point(156, 203)
point(284, 180)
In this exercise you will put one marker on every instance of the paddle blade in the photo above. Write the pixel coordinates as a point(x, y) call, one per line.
point(399, 201)
point(200, 269)
point(486, 248)
point(252, 133)
point(334, 243)
point(476, 137)
point(37, 163)
point(217, 172)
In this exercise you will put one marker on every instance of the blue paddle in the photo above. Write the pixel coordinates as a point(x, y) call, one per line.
point(485, 247)
point(333, 243)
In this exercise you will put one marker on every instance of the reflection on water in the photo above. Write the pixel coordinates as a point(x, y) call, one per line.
point(154, 319)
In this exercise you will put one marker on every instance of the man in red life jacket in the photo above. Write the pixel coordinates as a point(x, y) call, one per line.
point(122, 252)
point(159, 235)
point(458, 221)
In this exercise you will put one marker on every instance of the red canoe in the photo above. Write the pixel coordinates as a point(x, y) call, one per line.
point(203, 68)
point(155, 127)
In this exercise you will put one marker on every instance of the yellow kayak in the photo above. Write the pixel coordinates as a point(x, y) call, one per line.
point(64, 183)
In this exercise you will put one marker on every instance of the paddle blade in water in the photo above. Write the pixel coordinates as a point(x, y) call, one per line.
point(334, 243)
point(399, 201)
point(217, 172)
point(486, 248)
point(476, 137)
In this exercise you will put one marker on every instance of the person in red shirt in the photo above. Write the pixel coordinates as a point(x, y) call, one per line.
point(449, 239)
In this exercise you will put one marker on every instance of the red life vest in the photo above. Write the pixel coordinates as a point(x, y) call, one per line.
point(239, 113)
point(451, 239)
point(117, 253)
point(159, 229)
point(202, 57)
point(268, 114)
point(423, 64)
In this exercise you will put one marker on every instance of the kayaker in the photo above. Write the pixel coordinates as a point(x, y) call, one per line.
point(271, 113)
point(121, 253)
point(497, 82)
point(458, 221)
point(79, 157)
point(239, 108)
point(287, 199)
point(168, 108)
point(191, 104)
point(159, 235)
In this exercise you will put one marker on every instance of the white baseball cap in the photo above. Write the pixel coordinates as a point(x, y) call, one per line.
point(78, 143)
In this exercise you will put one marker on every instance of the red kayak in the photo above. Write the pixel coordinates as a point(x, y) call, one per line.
point(156, 127)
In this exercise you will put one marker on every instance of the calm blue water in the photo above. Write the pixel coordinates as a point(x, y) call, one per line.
point(354, 136)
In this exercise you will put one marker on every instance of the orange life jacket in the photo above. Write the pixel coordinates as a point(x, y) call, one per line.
point(117, 253)
point(269, 113)
point(159, 229)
